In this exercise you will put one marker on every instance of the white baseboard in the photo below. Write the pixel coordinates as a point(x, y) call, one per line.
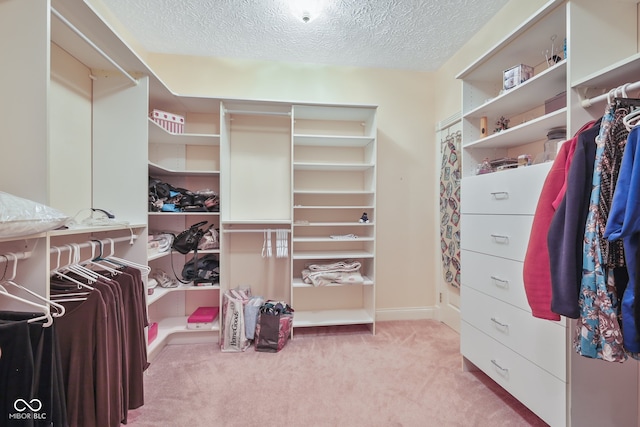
point(406, 313)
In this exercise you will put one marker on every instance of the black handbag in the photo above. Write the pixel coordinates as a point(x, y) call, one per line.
point(188, 240)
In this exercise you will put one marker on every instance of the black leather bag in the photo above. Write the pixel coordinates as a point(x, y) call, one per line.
point(188, 240)
point(202, 270)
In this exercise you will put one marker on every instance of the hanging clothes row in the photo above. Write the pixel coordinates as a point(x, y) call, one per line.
point(79, 358)
point(576, 263)
point(101, 338)
point(33, 388)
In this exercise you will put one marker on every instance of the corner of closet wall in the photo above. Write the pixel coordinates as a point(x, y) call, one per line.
point(602, 44)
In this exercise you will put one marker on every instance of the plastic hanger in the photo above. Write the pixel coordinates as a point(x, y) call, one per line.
point(60, 310)
point(145, 269)
point(56, 272)
point(44, 308)
point(94, 259)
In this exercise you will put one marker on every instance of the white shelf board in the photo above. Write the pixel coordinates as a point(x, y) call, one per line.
point(256, 222)
point(303, 319)
point(298, 283)
point(612, 76)
point(332, 224)
point(156, 169)
point(96, 229)
point(331, 254)
point(332, 140)
point(502, 54)
point(346, 167)
point(159, 135)
point(184, 214)
point(531, 131)
point(315, 207)
point(177, 325)
point(525, 96)
point(157, 255)
point(324, 239)
point(329, 192)
point(160, 292)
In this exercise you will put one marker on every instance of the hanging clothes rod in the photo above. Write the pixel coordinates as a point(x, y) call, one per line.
point(586, 103)
point(93, 45)
point(16, 255)
point(103, 242)
point(259, 113)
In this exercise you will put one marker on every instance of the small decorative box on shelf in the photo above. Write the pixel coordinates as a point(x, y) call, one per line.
point(173, 123)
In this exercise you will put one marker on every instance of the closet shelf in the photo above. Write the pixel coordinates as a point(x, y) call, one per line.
point(177, 325)
point(332, 140)
point(159, 255)
point(333, 224)
point(160, 292)
point(314, 207)
point(336, 192)
point(331, 254)
point(531, 131)
point(311, 318)
point(96, 229)
point(612, 76)
point(525, 96)
point(324, 239)
point(183, 214)
point(156, 169)
point(346, 167)
point(159, 135)
point(298, 283)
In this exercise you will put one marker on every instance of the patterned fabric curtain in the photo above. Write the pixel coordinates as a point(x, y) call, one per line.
point(450, 174)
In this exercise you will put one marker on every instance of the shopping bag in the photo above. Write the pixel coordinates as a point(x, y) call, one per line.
point(251, 313)
point(234, 338)
point(274, 327)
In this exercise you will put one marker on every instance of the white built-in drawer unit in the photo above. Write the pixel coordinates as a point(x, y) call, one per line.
point(505, 236)
point(512, 191)
point(535, 387)
point(516, 329)
point(497, 277)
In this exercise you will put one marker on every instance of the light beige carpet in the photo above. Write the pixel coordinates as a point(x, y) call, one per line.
point(408, 374)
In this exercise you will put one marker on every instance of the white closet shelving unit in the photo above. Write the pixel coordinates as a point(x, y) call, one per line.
point(189, 160)
point(334, 184)
point(70, 129)
point(533, 359)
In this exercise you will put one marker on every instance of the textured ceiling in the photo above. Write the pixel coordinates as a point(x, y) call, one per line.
point(402, 34)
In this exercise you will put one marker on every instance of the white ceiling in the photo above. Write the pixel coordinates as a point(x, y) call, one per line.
point(401, 34)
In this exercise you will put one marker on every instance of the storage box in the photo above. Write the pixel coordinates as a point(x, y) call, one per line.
point(170, 122)
point(152, 334)
point(516, 75)
point(203, 318)
point(557, 102)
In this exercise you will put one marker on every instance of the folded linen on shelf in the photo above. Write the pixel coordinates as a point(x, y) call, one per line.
point(343, 272)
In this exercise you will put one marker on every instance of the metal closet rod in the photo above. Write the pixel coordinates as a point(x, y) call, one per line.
point(586, 103)
point(93, 45)
point(103, 242)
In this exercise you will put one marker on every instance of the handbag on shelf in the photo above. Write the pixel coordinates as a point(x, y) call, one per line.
point(188, 240)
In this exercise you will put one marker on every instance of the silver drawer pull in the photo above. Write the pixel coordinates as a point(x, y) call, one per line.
point(497, 365)
point(500, 195)
point(499, 238)
point(500, 282)
point(497, 322)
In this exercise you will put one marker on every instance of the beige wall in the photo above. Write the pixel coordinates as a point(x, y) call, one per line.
point(406, 194)
point(410, 104)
